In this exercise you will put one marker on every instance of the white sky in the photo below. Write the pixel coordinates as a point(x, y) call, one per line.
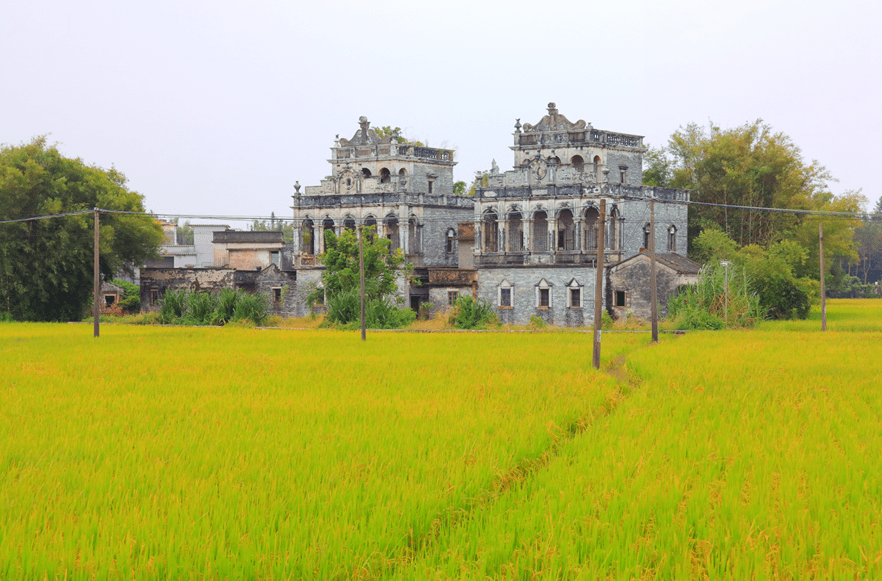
point(217, 107)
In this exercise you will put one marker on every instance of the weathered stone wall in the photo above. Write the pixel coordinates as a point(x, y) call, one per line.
point(524, 283)
point(635, 282)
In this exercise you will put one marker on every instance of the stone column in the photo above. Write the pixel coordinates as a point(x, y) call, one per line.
point(579, 242)
point(528, 234)
point(552, 230)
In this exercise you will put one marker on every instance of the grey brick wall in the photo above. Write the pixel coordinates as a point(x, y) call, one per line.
point(524, 283)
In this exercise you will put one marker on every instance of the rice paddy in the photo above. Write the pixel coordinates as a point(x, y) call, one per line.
point(170, 453)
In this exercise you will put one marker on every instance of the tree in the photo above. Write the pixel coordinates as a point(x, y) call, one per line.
point(386, 130)
point(46, 266)
point(184, 234)
point(340, 281)
point(275, 225)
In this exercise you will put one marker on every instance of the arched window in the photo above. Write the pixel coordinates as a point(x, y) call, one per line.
point(450, 241)
point(371, 223)
point(566, 231)
point(554, 159)
point(646, 238)
point(590, 232)
point(597, 168)
point(402, 172)
point(385, 177)
point(349, 223)
point(613, 231)
point(413, 236)
point(491, 231)
point(540, 232)
point(578, 163)
point(366, 172)
point(515, 232)
point(307, 237)
point(391, 225)
point(672, 238)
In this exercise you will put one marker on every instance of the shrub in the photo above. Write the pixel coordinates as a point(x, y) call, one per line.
point(468, 313)
point(254, 307)
point(6, 317)
point(173, 305)
point(201, 308)
point(703, 305)
point(225, 308)
point(131, 300)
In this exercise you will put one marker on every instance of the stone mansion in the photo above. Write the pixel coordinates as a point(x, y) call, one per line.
point(525, 242)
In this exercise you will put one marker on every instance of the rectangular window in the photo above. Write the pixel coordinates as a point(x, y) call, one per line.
point(672, 241)
point(505, 297)
point(154, 296)
point(544, 297)
point(431, 183)
point(274, 257)
point(452, 296)
point(620, 298)
point(277, 295)
point(576, 298)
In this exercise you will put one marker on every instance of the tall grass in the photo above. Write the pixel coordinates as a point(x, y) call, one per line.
point(704, 305)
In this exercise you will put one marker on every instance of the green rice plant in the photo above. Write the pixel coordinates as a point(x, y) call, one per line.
point(240, 453)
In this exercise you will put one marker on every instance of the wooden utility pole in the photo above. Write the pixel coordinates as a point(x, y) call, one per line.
point(654, 311)
point(97, 289)
point(823, 289)
point(598, 283)
point(361, 278)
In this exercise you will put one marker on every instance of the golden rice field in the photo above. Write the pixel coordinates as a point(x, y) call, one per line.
point(179, 453)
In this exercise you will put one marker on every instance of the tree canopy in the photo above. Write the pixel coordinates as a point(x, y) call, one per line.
point(46, 266)
point(341, 282)
point(752, 165)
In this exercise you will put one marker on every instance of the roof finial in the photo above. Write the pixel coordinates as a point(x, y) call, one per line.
point(552, 109)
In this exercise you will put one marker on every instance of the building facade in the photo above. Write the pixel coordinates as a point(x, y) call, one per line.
point(536, 225)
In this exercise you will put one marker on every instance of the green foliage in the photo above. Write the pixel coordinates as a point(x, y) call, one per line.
point(657, 168)
point(184, 234)
point(185, 307)
point(712, 245)
point(6, 317)
point(387, 130)
point(252, 307)
point(274, 225)
point(173, 305)
point(459, 188)
point(344, 311)
point(751, 165)
point(703, 305)
point(537, 322)
point(340, 281)
point(782, 295)
point(468, 313)
point(46, 266)
point(131, 300)
point(226, 306)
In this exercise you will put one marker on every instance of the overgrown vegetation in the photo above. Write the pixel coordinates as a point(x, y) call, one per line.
point(468, 313)
point(704, 304)
point(340, 289)
point(186, 307)
point(131, 299)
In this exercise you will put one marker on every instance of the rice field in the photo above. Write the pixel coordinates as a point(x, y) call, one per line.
point(169, 453)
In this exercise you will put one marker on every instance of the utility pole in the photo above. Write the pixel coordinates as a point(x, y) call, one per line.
point(598, 284)
point(654, 311)
point(361, 277)
point(823, 289)
point(97, 288)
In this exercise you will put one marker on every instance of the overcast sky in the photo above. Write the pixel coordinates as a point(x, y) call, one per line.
point(217, 107)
